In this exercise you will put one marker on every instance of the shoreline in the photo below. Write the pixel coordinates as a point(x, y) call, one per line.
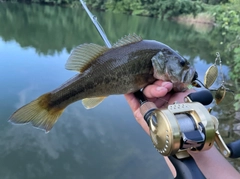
point(201, 18)
point(202, 23)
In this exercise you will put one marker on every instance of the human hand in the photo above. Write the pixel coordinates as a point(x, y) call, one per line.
point(158, 93)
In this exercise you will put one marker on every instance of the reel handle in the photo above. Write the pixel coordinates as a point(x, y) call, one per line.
point(204, 97)
point(234, 147)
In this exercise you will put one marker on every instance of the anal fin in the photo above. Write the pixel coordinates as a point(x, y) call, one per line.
point(89, 103)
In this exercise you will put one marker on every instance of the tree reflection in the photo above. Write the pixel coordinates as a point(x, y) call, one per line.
point(50, 29)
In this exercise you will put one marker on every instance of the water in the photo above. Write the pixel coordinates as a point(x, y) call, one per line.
point(104, 142)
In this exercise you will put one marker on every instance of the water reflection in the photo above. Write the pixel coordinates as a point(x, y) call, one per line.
point(52, 29)
point(82, 141)
point(104, 142)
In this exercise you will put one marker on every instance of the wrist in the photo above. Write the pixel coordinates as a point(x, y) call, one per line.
point(211, 162)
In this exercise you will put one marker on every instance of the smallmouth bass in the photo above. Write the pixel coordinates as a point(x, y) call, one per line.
point(131, 64)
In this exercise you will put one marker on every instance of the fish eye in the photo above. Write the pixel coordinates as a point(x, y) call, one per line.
point(182, 62)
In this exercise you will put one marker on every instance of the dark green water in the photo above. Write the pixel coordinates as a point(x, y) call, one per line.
point(104, 142)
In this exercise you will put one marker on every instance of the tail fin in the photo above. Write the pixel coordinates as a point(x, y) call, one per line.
point(39, 113)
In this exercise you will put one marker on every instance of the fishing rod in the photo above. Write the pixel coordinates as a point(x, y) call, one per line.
point(180, 127)
point(96, 24)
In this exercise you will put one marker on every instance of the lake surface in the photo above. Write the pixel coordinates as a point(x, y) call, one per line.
point(104, 142)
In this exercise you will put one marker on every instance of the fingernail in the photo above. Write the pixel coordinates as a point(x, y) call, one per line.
point(159, 88)
point(166, 83)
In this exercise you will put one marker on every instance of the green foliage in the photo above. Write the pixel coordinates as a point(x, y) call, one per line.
point(96, 4)
point(227, 17)
point(214, 2)
point(163, 9)
point(228, 20)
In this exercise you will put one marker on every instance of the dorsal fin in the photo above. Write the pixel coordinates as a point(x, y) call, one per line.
point(82, 56)
point(128, 39)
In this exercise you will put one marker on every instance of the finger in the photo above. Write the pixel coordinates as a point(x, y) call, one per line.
point(132, 101)
point(135, 107)
point(158, 89)
point(166, 84)
point(179, 97)
point(163, 101)
point(141, 121)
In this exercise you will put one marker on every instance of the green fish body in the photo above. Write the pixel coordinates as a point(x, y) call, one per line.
point(131, 64)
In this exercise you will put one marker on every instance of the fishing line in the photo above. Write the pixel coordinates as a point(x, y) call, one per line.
point(97, 25)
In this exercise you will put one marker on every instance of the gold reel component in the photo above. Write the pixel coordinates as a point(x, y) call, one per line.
point(180, 127)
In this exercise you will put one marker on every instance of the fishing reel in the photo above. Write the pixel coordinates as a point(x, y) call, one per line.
point(185, 126)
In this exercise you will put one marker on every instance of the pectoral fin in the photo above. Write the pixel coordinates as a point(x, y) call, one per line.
point(82, 56)
point(89, 103)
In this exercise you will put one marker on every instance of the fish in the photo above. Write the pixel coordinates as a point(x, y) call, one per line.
point(130, 65)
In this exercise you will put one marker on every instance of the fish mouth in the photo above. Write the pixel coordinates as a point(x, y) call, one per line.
point(180, 87)
point(188, 75)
